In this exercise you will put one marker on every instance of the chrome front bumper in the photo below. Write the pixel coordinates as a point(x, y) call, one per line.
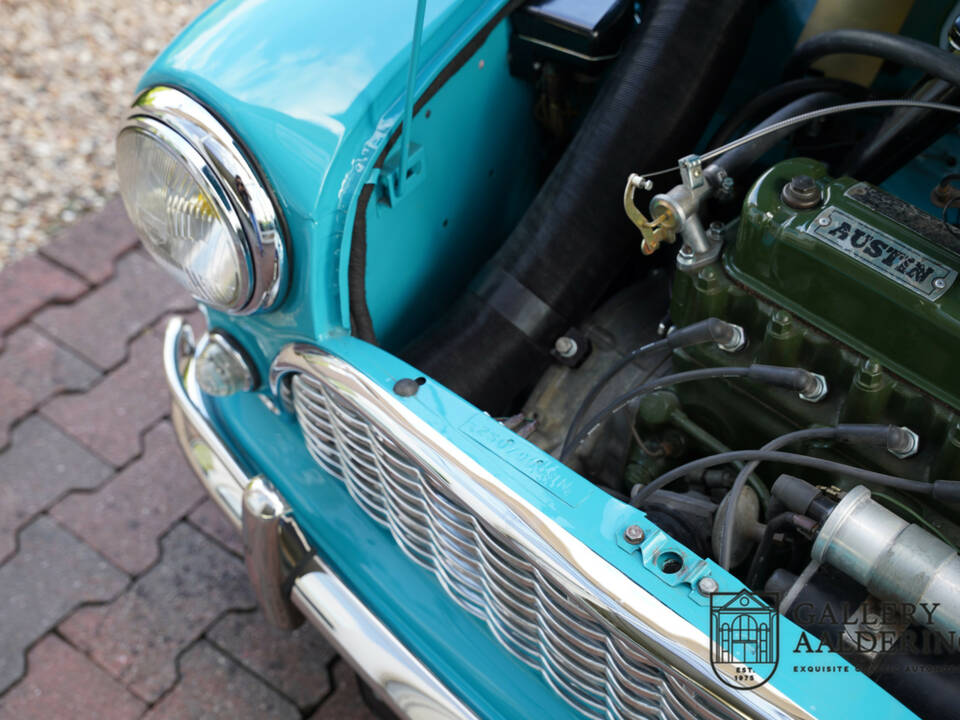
point(279, 556)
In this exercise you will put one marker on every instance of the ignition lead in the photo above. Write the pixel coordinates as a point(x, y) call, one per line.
point(729, 337)
point(810, 386)
point(899, 441)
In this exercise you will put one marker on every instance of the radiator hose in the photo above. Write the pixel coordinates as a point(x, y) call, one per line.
point(574, 240)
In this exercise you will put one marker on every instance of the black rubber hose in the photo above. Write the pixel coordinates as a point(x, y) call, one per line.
point(574, 240)
point(776, 97)
point(740, 159)
point(903, 135)
point(761, 558)
point(942, 490)
point(895, 48)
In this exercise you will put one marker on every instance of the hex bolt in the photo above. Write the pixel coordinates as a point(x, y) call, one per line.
point(706, 279)
point(566, 347)
point(781, 322)
point(801, 193)
point(715, 231)
point(634, 534)
point(707, 586)
point(869, 375)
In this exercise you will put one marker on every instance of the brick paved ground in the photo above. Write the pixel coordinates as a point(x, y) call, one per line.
point(122, 589)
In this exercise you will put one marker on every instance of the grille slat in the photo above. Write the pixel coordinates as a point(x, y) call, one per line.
point(599, 673)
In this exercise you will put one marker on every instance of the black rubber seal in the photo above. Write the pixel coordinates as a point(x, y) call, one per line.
point(361, 323)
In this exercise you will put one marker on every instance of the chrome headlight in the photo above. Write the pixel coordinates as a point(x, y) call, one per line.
point(197, 203)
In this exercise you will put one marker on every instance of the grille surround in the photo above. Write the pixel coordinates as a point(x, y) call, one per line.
point(606, 661)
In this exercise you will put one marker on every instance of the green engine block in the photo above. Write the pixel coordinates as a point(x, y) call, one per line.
point(860, 288)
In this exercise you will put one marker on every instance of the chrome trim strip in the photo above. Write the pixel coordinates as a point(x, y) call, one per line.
point(240, 193)
point(356, 632)
point(613, 598)
point(399, 677)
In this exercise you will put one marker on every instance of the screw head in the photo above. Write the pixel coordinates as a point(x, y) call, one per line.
point(939, 283)
point(634, 534)
point(707, 586)
point(823, 221)
point(566, 347)
point(406, 387)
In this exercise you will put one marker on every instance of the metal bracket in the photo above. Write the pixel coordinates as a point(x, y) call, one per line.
point(659, 230)
point(659, 550)
point(395, 181)
point(691, 172)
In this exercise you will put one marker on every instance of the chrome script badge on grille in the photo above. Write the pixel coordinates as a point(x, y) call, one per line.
point(744, 639)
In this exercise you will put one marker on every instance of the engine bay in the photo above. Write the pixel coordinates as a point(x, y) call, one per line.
point(768, 371)
point(852, 285)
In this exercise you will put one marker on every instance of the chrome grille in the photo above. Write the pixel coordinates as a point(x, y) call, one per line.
point(595, 669)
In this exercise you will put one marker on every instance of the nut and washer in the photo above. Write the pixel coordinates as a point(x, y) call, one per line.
point(634, 534)
point(801, 193)
point(707, 586)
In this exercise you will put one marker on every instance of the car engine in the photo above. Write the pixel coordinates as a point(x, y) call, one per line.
point(832, 276)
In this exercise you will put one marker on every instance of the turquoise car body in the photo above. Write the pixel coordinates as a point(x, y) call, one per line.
point(315, 92)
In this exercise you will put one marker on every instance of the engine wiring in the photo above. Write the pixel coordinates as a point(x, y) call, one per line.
point(946, 490)
point(709, 330)
point(792, 378)
point(851, 433)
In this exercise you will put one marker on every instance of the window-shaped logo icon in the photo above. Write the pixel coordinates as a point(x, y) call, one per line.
point(744, 638)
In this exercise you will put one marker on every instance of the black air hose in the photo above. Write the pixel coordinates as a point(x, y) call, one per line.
point(574, 240)
point(776, 97)
point(895, 48)
point(740, 159)
point(903, 135)
point(907, 132)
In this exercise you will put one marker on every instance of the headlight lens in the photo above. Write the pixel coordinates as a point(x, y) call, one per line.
point(197, 204)
point(178, 219)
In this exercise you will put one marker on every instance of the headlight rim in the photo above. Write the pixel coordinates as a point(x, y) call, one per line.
point(180, 122)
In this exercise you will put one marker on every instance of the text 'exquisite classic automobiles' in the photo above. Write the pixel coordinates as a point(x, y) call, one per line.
point(577, 359)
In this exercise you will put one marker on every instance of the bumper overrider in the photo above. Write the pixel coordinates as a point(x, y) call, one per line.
point(606, 645)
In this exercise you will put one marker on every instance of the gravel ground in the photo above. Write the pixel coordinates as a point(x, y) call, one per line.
point(68, 68)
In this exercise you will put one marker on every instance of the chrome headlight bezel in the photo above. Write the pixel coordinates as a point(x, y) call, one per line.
point(216, 160)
